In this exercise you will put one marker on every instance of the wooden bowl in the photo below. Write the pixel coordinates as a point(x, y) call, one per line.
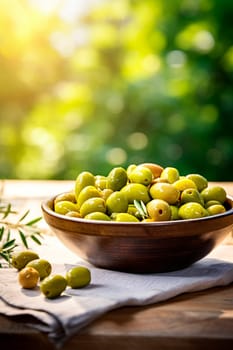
point(140, 247)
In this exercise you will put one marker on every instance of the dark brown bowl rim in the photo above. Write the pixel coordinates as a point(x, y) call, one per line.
point(46, 208)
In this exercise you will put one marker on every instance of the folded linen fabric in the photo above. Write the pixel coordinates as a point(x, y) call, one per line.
point(75, 308)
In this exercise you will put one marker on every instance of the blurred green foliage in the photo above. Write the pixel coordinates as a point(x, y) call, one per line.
point(114, 83)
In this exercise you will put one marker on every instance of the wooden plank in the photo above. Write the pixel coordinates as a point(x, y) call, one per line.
point(14, 335)
point(202, 320)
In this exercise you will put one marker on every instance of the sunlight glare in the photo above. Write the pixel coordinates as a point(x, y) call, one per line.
point(67, 10)
point(45, 6)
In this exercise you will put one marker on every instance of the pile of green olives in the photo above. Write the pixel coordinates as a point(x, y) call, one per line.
point(34, 271)
point(145, 192)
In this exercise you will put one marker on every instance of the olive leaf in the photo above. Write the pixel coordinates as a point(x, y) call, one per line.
point(8, 246)
point(140, 206)
point(23, 238)
point(33, 222)
point(6, 210)
point(26, 230)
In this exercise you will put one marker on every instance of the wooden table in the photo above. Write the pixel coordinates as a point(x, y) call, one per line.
point(200, 320)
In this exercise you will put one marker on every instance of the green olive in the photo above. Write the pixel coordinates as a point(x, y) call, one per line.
point(132, 210)
point(174, 212)
point(130, 168)
point(123, 194)
point(105, 193)
point(212, 202)
point(191, 195)
point(117, 178)
point(42, 266)
point(97, 215)
point(159, 179)
point(125, 217)
point(101, 182)
point(136, 192)
point(64, 207)
point(91, 205)
point(84, 179)
point(78, 277)
point(69, 196)
point(164, 191)
point(217, 193)
point(53, 285)
point(117, 202)
point(86, 193)
point(216, 209)
point(141, 175)
point(184, 183)
point(200, 181)
point(73, 214)
point(170, 174)
point(22, 258)
point(156, 169)
point(192, 210)
point(159, 210)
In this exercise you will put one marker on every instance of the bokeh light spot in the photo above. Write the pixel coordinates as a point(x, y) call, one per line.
point(115, 103)
point(137, 140)
point(116, 156)
point(176, 58)
point(203, 41)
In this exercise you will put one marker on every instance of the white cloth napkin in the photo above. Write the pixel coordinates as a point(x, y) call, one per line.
point(66, 315)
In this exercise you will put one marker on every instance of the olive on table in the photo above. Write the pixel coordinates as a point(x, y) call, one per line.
point(53, 286)
point(78, 277)
point(20, 259)
point(42, 266)
point(28, 277)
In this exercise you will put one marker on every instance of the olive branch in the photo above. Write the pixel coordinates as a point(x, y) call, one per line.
point(26, 229)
